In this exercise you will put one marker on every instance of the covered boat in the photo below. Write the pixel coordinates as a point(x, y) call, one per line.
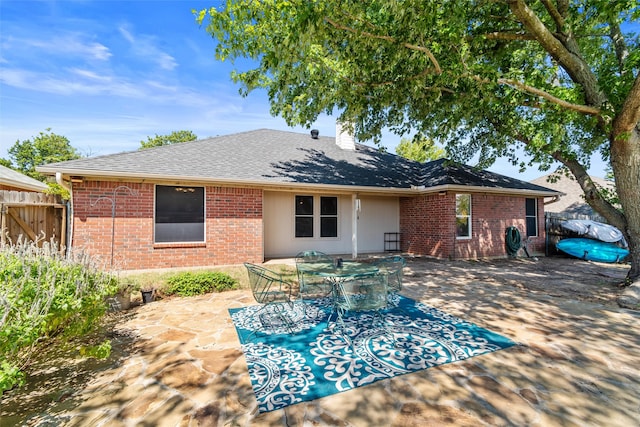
point(592, 250)
point(595, 230)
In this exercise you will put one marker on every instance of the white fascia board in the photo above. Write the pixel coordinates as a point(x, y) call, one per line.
point(295, 186)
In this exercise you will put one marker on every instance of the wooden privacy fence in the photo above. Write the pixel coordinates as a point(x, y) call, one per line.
point(36, 216)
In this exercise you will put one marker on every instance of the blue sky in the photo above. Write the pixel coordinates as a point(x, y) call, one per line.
point(108, 74)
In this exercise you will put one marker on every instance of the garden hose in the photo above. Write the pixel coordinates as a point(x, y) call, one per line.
point(512, 241)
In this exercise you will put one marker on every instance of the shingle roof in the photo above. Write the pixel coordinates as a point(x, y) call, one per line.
point(571, 201)
point(18, 180)
point(443, 172)
point(279, 157)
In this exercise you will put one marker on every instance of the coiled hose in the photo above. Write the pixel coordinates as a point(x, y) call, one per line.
point(512, 241)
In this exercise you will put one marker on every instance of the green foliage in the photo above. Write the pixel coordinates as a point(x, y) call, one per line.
point(419, 149)
point(190, 284)
point(558, 81)
point(100, 351)
point(10, 376)
point(55, 188)
point(45, 148)
point(468, 75)
point(42, 295)
point(174, 137)
point(610, 195)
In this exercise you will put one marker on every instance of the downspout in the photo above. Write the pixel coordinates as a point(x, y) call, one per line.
point(69, 217)
point(355, 203)
point(553, 200)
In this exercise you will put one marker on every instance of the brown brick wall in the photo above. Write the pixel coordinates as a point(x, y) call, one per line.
point(233, 227)
point(427, 224)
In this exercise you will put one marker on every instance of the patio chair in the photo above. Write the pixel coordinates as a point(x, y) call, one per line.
point(274, 293)
point(363, 296)
point(393, 267)
point(313, 286)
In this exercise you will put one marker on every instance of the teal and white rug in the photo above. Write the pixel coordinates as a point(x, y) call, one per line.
point(317, 361)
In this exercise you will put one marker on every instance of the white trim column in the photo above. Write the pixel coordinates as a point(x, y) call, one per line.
point(355, 203)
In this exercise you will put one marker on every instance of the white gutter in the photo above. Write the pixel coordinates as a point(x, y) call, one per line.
point(61, 182)
point(553, 200)
point(411, 191)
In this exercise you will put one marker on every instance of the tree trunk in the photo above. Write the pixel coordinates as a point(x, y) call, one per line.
point(625, 161)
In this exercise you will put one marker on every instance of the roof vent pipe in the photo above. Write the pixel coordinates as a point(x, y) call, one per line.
point(315, 133)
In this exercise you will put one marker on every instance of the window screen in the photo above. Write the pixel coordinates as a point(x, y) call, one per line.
point(179, 214)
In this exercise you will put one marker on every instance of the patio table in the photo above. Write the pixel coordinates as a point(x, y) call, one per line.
point(348, 270)
point(333, 274)
point(370, 296)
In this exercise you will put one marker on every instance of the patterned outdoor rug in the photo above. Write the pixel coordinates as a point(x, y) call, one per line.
point(317, 360)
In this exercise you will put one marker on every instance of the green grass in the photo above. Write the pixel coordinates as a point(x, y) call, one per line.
point(160, 279)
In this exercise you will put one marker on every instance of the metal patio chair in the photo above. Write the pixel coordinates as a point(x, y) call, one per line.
point(313, 286)
point(275, 295)
point(365, 298)
point(393, 267)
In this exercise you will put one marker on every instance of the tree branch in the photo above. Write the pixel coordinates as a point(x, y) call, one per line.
point(423, 49)
point(591, 192)
point(619, 44)
point(555, 14)
point(629, 116)
point(584, 109)
point(563, 7)
point(392, 82)
point(497, 35)
point(567, 56)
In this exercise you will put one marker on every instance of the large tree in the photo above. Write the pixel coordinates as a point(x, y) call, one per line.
point(419, 149)
point(45, 148)
point(174, 137)
point(557, 79)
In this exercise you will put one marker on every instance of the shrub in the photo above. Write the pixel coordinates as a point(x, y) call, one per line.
point(45, 294)
point(188, 284)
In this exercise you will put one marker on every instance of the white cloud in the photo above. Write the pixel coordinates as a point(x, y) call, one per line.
point(127, 35)
point(71, 44)
point(88, 74)
point(144, 46)
point(99, 51)
point(84, 82)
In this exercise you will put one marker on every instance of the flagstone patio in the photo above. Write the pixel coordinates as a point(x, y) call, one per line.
point(178, 362)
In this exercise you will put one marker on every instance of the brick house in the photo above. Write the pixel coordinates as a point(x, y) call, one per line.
point(269, 194)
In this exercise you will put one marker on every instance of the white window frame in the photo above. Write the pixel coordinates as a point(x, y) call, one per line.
point(468, 217)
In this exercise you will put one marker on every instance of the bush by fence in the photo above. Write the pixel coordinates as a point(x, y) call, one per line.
point(44, 294)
